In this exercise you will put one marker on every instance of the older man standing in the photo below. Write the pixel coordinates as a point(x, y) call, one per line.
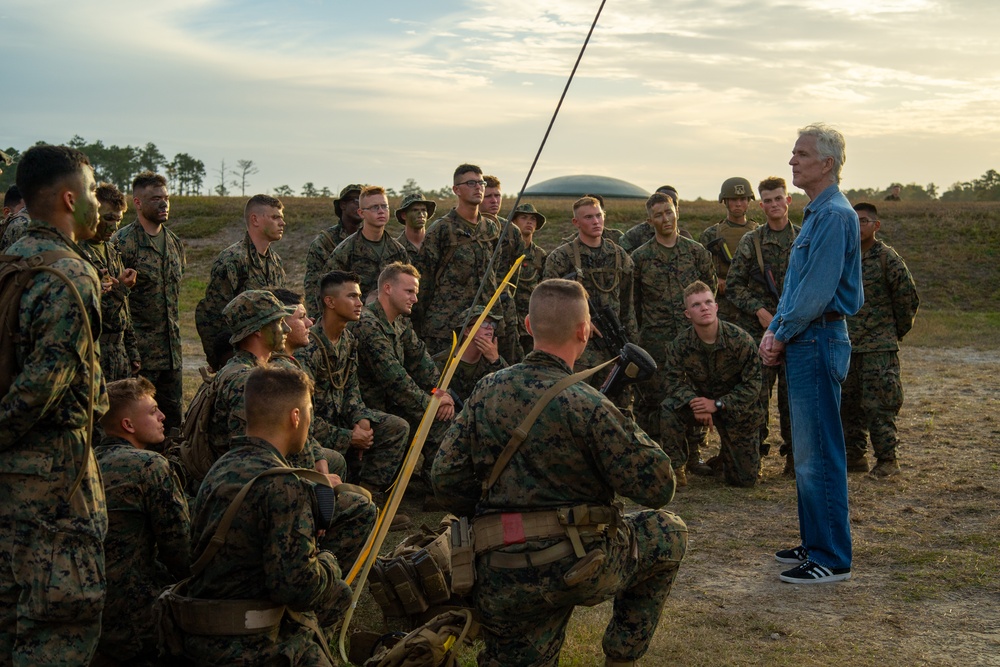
point(822, 287)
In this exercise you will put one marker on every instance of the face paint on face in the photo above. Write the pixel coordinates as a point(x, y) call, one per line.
point(274, 333)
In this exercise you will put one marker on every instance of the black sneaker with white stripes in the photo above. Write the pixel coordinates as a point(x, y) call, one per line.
point(791, 556)
point(814, 573)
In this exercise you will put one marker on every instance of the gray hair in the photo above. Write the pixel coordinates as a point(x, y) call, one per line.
point(830, 143)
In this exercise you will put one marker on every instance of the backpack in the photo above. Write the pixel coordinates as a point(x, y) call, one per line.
point(191, 451)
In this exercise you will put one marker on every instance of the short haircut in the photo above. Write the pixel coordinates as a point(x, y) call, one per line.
point(464, 169)
point(829, 143)
point(697, 287)
point(865, 207)
point(555, 308)
point(122, 394)
point(108, 193)
point(370, 191)
point(772, 183)
point(258, 202)
point(147, 179)
point(491, 181)
point(286, 296)
point(588, 200)
point(330, 281)
point(272, 391)
point(658, 198)
point(394, 270)
point(43, 167)
point(12, 197)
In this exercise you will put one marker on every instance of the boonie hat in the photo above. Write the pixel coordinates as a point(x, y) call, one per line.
point(353, 187)
point(251, 311)
point(530, 210)
point(410, 200)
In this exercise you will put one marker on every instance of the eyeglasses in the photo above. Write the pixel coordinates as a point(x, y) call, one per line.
point(473, 184)
point(867, 221)
point(376, 207)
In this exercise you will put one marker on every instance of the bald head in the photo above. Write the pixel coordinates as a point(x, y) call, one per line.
point(556, 309)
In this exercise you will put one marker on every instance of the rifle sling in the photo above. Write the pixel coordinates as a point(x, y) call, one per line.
point(521, 432)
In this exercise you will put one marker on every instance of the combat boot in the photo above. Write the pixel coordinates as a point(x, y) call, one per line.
point(680, 476)
point(885, 468)
point(857, 464)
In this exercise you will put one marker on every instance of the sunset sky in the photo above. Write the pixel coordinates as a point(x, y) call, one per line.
point(687, 93)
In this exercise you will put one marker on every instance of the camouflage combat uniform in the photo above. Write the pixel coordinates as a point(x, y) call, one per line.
point(511, 247)
point(148, 546)
point(14, 229)
point(319, 253)
point(580, 451)
point(732, 234)
point(467, 375)
point(661, 274)
point(411, 250)
point(52, 583)
point(270, 554)
point(748, 293)
point(119, 349)
point(873, 391)
point(728, 370)
point(337, 407)
point(607, 274)
point(452, 264)
point(528, 278)
point(636, 236)
point(367, 259)
point(237, 268)
point(154, 303)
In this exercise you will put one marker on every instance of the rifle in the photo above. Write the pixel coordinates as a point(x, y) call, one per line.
point(613, 338)
point(720, 249)
point(766, 279)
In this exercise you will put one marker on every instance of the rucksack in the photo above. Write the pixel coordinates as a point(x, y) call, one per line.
point(192, 450)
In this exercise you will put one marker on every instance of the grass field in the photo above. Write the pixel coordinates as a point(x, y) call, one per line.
point(926, 589)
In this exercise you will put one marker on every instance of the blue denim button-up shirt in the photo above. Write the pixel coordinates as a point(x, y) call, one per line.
point(824, 269)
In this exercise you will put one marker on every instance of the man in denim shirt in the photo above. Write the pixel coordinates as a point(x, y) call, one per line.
point(822, 286)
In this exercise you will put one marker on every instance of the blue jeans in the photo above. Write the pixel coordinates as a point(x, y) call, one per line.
point(816, 364)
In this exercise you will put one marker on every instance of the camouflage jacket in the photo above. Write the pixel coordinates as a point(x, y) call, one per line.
point(411, 250)
point(237, 269)
point(43, 417)
point(116, 317)
point(661, 274)
point(154, 301)
point(732, 235)
point(396, 373)
point(270, 552)
point(319, 253)
point(744, 287)
point(636, 236)
point(890, 305)
point(607, 274)
point(528, 278)
point(367, 259)
point(581, 449)
point(467, 375)
point(337, 404)
point(452, 263)
point(148, 546)
point(14, 228)
point(229, 418)
point(730, 370)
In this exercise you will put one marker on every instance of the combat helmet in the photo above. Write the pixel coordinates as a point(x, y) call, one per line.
point(737, 186)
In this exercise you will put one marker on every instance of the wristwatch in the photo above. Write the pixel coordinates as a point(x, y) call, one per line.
point(719, 405)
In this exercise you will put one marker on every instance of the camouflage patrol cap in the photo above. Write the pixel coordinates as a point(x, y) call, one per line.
point(529, 210)
point(410, 200)
point(353, 187)
point(251, 311)
point(737, 186)
point(475, 311)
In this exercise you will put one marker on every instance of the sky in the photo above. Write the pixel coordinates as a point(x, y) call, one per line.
point(686, 93)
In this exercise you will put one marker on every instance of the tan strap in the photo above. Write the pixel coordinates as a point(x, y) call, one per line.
point(506, 561)
point(760, 255)
point(321, 639)
point(521, 432)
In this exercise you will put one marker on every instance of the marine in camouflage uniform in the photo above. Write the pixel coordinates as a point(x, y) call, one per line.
point(736, 194)
point(14, 228)
point(581, 451)
point(337, 407)
point(747, 290)
point(365, 258)
point(52, 583)
point(727, 371)
point(154, 303)
point(475, 364)
point(873, 391)
point(148, 546)
point(322, 247)
point(270, 554)
point(529, 221)
point(238, 268)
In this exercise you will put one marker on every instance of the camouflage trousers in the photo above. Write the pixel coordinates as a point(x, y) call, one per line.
point(52, 590)
point(739, 435)
point(770, 376)
point(353, 521)
point(115, 364)
point(376, 467)
point(314, 452)
point(871, 397)
point(524, 611)
point(647, 416)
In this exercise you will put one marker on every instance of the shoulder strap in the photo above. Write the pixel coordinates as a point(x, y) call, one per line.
point(760, 256)
point(521, 432)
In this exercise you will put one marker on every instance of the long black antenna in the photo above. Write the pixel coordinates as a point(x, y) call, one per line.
point(538, 154)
